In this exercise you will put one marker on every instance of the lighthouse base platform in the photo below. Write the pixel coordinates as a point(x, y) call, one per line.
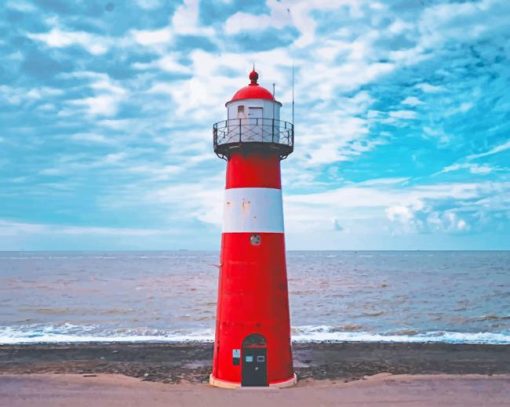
point(213, 381)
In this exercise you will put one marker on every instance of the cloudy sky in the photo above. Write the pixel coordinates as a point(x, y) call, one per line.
point(402, 120)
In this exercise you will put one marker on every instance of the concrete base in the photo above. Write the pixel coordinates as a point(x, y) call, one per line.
point(235, 385)
point(223, 383)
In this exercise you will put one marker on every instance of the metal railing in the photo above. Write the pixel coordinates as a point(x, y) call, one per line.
point(234, 134)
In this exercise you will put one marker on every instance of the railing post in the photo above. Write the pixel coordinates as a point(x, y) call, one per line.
point(240, 138)
point(272, 137)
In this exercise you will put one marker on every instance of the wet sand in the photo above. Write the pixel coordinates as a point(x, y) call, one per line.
point(191, 362)
point(330, 374)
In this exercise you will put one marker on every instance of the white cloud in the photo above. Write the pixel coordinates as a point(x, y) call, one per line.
point(298, 13)
point(462, 108)
point(412, 101)
point(157, 172)
point(480, 169)
point(112, 158)
point(153, 37)
point(462, 22)
point(400, 26)
point(384, 181)
point(472, 168)
point(495, 150)
point(202, 201)
point(17, 95)
point(58, 38)
point(408, 209)
point(399, 213)
point(418, 218)
point(447, 221)
point(195, 99)
point(10, 228)
point(428, 88)
point(105, 102)
point(69, 164)
point(403, 114)
point(101, 105)
point(92, 138)
point(149, 4)
point(185, 20)
point(167, 63)
point(301, 11)
point(437, 133)
point(279, 17)
point(21, 5)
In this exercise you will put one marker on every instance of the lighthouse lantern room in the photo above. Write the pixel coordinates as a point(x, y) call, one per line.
point(252, 344)
point(253, 120)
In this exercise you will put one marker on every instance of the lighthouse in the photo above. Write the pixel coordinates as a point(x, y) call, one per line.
point(252, 345)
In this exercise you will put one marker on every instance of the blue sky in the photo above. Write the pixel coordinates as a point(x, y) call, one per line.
point(402, 121)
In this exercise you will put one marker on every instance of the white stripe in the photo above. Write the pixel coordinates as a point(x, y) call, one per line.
point(255, 210)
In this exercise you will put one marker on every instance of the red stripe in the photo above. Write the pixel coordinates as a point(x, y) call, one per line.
point(253, 298)
point(254, 170)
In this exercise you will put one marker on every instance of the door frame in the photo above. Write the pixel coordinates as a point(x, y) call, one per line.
point(253, 341)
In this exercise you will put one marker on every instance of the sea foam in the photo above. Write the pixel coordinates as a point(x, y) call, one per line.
point(69, 333)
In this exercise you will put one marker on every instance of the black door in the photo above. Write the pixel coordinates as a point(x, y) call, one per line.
point(254, 367)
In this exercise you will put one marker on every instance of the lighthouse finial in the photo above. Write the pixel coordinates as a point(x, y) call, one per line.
point(254, 76)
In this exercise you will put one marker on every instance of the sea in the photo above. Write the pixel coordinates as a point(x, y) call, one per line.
point(386, 296)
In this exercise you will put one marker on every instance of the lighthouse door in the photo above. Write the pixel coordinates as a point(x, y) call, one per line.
point(254, 361)
point(255, 119)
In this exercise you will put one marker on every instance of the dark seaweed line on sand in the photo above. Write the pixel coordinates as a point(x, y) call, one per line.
point(191, 362)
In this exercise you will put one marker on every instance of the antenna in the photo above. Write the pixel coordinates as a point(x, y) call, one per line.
point(290, 17)
point(292, 92)
point(274, 93)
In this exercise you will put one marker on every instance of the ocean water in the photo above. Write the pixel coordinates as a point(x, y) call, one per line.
point(457, 297)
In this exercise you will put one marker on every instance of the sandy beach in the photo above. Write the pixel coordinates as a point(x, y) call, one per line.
point(47, 390)
point(330, 374)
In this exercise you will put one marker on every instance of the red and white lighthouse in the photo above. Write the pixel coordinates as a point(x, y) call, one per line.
point(252, 345)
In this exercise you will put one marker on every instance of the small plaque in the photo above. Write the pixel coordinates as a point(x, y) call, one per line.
point(236, 357)
point(249, 358)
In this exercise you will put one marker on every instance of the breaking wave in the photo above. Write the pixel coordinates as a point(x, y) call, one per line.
point(329, 334)
point(69, 333)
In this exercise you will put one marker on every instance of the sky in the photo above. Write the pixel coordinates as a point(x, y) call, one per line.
point(402, 118)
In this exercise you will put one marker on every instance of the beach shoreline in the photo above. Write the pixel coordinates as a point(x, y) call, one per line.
point(330, 374)
point(191, 362)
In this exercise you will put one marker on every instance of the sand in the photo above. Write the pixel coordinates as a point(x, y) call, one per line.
point(332, 374)
point(45, 390)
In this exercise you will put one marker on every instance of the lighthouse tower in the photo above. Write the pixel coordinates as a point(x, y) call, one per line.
point(252, 346)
